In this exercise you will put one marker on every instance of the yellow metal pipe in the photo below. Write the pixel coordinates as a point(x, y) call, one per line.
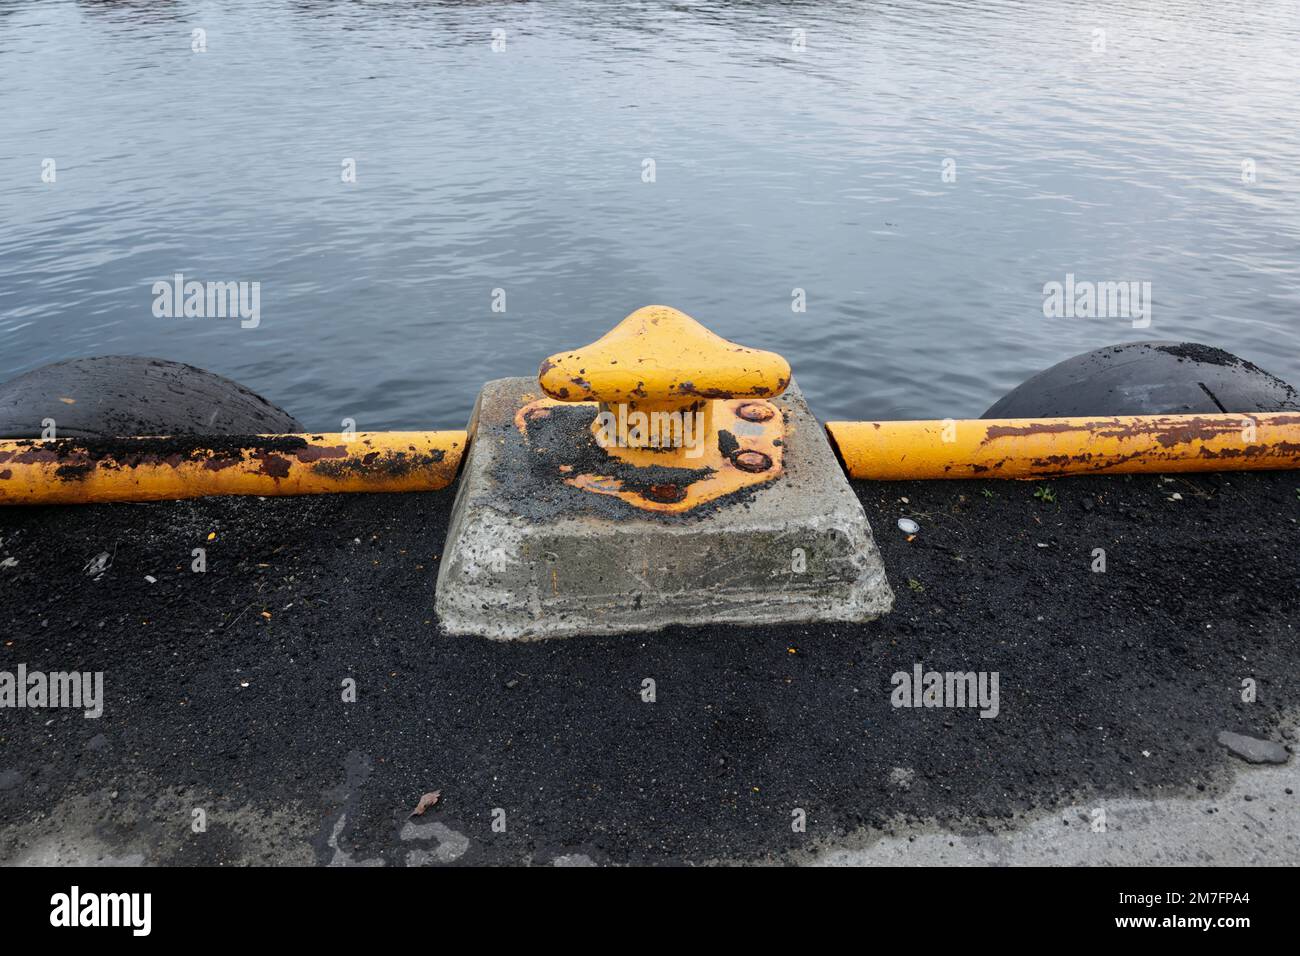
point(1051, 447)
point(86, 471)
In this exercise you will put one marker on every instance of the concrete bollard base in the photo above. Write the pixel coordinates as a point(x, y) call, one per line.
point(529, 556)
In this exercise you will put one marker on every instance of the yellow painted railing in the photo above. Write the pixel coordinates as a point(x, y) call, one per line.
point(75, 471)
point(1051, 447)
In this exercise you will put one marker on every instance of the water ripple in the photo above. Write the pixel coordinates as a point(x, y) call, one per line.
point(795, 146)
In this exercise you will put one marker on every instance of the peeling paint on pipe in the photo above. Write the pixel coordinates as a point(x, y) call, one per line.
point(88, 471)
point(1053, 447)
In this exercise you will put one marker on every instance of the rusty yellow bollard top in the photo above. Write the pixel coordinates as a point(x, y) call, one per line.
point(660, 356)
point(670, 394)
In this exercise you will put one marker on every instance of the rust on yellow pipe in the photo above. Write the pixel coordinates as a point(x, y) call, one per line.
point(86, 471)
point(1052, 447)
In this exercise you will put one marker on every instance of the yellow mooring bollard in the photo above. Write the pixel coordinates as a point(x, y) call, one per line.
point(668, 398)
point(86, 471)
point(1052, 447)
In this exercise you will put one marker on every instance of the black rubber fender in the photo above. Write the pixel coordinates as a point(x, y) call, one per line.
point(119, 395)
point(1148, 378)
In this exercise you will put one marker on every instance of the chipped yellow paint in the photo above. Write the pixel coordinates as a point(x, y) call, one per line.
point(77, 471)
point(661, 368)
point(763, 445)
point(1051, 447)
point(660, 356)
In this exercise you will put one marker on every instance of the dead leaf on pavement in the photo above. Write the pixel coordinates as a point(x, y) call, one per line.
point(426, 801)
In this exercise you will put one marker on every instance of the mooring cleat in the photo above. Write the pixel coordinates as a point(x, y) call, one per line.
point(582, 505)
point(682, 414)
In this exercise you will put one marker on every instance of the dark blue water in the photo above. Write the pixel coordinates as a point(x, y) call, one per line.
point(522, 169)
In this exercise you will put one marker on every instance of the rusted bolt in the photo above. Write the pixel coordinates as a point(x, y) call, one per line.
point(753, 412)
point(751, 461)
point(666, 493)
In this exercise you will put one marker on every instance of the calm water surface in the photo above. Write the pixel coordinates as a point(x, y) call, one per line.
point(521, 170)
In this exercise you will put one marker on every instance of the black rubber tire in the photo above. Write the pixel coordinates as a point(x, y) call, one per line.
point(119, 395)
point(1147, 378)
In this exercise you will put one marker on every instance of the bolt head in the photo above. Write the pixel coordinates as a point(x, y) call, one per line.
point(667, 493)
point(752, 461)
